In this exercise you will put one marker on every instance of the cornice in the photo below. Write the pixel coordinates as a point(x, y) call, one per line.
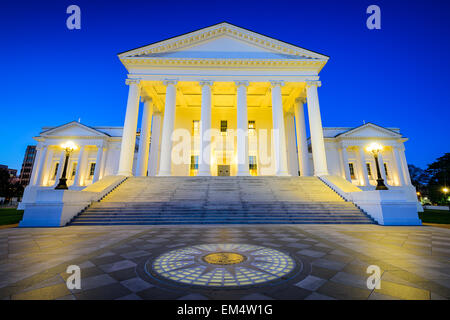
point(203, 62)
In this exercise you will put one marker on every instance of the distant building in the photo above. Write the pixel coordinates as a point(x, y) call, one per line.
point(27, 165)
point(12, 173)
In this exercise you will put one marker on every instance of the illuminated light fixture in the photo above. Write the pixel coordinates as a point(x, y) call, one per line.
point(445, 190)
point(375, 148)
point(68, 148)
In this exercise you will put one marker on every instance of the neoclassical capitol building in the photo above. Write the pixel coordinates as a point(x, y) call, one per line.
point(221, 101)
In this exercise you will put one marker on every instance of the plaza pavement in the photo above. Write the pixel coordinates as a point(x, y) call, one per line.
point(414, 261)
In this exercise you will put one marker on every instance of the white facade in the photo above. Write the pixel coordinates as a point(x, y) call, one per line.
point(225, 101)
point(344, 147)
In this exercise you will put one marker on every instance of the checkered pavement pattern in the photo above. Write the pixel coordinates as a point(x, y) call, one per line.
point(413, 261)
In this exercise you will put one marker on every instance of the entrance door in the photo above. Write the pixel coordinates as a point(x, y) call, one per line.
point(223, 170)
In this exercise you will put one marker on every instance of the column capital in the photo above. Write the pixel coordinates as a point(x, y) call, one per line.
point(241, 83)
point(167, 82)
point(146, 99)
point(301, 100)
point(130, 81)
point(203, 83)
point(275, 83)
point(313, 83)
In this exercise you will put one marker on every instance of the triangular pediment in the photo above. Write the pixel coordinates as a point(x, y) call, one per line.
point(73, 129)
point(223, 41)
point(370, 130)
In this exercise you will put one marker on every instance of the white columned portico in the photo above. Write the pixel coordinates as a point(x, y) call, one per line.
point(242, 129)
point(80, 166)
point(165, 162)
point(344, 156)
point(154, 144)
point(364, 178)
point(302, 144)
point(315, 125)
point(129, 128)
point(204, 156)
point(98, 163)
point(144, 140)
point(278, 133)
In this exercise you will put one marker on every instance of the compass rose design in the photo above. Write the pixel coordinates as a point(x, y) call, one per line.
point(223, 265)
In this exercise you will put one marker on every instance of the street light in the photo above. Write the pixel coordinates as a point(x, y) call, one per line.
point(375, 149)
point(68, 148)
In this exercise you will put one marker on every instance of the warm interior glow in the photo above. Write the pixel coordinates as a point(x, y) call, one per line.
point(374, 147)
point(69, 146)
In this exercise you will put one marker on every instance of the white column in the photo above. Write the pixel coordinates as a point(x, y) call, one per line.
point(204, 156)
point(278, 133)
point(242, 129)
point(103, 163)
point(364, 178)
point(144, 140)
point(302, 144)
point(48, 168)
point(344, 157)
point(165, 162)
point(38, 168)
point(62, 157)
point(80, 166)
point(98, 163)
point(398, 164)
point(290, 144)
point(315, 126)
point(382, 171)
point(154, 144)
point(129, 129)
point(404, 165)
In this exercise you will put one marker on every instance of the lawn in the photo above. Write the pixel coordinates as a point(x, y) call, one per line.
point(10, 216)
point(435, 216)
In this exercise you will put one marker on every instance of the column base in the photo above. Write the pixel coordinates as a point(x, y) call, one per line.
point(125, 173)
point(319, 174)
point(164, 174)
point(243, 174)
point(204, 174)
point(282, 174)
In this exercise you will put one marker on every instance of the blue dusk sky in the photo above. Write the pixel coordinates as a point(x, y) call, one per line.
point(398, 76)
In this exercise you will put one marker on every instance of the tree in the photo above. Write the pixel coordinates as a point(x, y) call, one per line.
point(419, 178)
point(8, 189)
point(438, 172)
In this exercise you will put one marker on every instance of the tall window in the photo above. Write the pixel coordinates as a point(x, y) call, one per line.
point(251, 128)
point(252, 165)
point(56, 170)
point(223, 127)
point(194, 166)
point(369, 170)
point(195, 127)
point(74, 170)
point(386, 170)
point(352, 171)
point(92, 170)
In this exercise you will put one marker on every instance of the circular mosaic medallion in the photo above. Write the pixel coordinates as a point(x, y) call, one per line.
point(223, 265)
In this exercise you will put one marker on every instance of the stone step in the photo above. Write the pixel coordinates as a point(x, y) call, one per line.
point(221, 200)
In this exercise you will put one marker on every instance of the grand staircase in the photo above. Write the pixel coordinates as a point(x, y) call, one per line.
point(221, 200)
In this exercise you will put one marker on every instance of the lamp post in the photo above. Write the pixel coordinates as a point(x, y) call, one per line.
point(68, 148)
point(375, 149)
point(445, 190)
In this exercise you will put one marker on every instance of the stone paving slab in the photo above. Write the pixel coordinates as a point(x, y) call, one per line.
point(414, 261)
